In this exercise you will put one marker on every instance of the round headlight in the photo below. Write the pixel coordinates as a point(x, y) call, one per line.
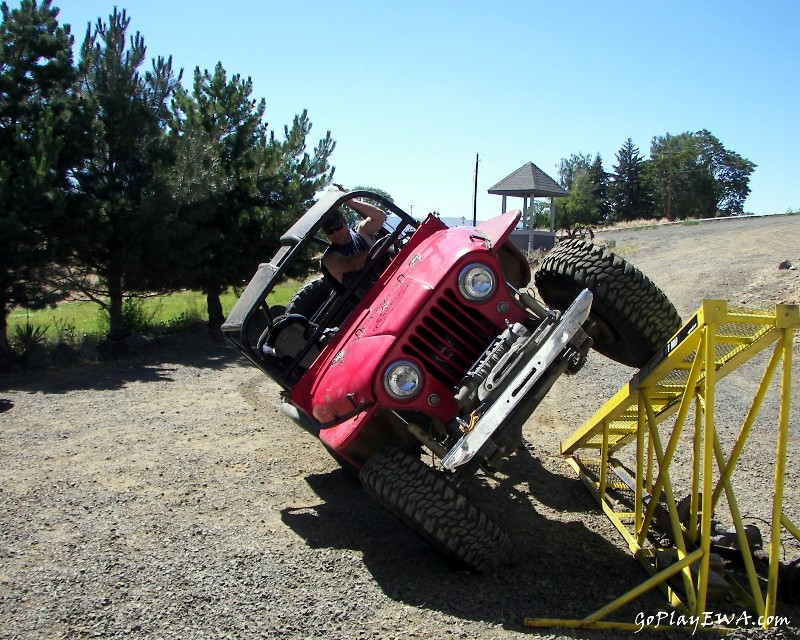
point(476, 282)
point(402, 380)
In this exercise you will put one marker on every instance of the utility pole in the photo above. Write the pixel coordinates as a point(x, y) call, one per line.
point(475, 195)
point(669, 177)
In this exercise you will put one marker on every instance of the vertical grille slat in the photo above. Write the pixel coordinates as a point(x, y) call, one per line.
point(433, 336)
point(449, 339)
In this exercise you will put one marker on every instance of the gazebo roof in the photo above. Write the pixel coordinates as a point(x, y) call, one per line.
point(529, 181)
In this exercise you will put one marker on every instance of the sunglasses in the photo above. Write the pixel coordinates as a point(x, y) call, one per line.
point(335, 229)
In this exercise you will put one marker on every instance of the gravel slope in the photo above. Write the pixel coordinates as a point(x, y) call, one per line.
point(165, 496)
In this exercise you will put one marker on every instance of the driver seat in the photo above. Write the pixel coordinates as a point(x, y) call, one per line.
point(286, 338)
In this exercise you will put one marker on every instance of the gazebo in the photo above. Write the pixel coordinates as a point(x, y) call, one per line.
point(529, 182)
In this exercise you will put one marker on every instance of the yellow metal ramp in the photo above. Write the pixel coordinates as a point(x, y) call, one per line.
point(715, 341)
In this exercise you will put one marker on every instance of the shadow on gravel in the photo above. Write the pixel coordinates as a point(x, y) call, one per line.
point(551, 489)
point(551, 556)
point(154, 363)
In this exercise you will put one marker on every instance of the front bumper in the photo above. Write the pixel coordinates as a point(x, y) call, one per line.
point(518, 387)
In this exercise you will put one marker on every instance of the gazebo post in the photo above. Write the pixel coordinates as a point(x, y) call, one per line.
point(525, 213)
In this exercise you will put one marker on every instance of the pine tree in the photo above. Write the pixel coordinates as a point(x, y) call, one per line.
point(600, 185)
point(628, 191)
point(41, 142)
point(236, 187)
point(122, 222)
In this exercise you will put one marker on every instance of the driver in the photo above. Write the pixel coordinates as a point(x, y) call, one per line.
point(349, 248)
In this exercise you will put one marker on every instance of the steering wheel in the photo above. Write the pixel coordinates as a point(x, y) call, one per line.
point(375, 249)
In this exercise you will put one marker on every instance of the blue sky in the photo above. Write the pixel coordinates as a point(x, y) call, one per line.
point(411, 91)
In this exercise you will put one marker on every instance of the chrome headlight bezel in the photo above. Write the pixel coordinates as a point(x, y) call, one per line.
point(467, 284)
point(403, 380)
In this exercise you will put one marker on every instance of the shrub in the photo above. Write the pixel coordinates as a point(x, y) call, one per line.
point(135, 316)
point(66, 331)
point(190, 317)
point(27, 336)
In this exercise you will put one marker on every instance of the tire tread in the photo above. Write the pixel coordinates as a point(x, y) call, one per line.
point(430, 505)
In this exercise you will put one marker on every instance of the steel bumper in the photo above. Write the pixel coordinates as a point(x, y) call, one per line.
point(519, 386)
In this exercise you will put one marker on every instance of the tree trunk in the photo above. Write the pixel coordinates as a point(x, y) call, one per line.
point(116, 324)
point(6, 353)
point(215, 317)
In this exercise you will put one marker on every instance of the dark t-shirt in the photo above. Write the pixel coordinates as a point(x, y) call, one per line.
point(355, 247)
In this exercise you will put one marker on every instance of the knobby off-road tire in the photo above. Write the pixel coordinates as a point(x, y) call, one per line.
point(433, 508)
point(633, 318)
point(310, 297)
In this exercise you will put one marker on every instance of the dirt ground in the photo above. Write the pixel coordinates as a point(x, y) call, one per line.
point(165, 496)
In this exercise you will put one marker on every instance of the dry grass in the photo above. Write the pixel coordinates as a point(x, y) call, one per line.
point(636, 224)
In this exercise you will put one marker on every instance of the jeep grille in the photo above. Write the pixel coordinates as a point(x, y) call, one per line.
point(449, 338)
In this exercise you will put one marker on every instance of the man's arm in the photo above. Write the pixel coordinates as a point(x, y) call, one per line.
point(372, 217)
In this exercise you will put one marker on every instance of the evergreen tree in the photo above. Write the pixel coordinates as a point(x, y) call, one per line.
point(122, 221)
point(303, 174)
point(600, 186)
point(41, 141)
point(629, 196)
point(236, 187)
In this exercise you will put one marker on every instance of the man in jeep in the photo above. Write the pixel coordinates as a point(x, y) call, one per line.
point(349, 248)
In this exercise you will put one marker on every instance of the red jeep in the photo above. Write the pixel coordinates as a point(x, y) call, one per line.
point(439, 347)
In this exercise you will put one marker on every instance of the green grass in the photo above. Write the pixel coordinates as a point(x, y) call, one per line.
point(83, 315)
point(72, 321)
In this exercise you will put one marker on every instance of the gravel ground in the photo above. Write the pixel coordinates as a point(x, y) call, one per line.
point(165, 496)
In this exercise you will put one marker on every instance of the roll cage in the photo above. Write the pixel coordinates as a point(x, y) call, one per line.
point(252, 316)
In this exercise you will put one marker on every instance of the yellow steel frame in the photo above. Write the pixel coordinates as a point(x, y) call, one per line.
point(713, 343)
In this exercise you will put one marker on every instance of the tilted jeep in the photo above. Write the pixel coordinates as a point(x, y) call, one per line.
point(439, 346)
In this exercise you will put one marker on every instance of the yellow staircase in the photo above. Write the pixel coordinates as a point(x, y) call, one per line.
point(716, 340)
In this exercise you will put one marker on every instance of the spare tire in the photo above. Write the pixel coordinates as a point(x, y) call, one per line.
point(631, 318)
point(310, 297)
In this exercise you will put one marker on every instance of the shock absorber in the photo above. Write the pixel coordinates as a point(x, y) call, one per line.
point(489, 368)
